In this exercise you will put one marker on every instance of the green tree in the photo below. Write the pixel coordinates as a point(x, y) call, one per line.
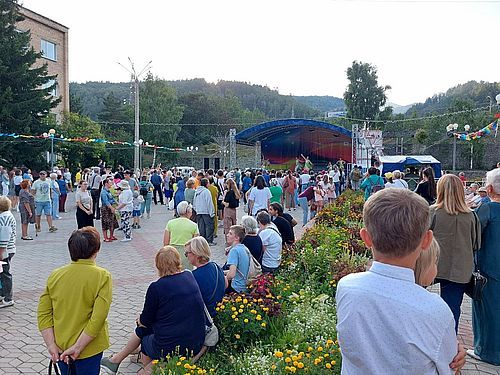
point(363, 96)
point(25, 98)
point(159, 105)
point(75, 104)
point(82, 154)
point(117, 125)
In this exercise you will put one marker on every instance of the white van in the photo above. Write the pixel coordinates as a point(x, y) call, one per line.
point(185, 171)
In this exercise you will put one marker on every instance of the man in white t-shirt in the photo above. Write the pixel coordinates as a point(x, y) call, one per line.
point(304, 181)
point(271, 242)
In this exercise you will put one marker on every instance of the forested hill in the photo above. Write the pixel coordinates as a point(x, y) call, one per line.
point(322, 103)
point(258, 99)
point(472, 93)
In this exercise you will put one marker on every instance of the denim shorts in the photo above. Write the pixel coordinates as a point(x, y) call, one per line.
point(136, 213)
point(45, 207)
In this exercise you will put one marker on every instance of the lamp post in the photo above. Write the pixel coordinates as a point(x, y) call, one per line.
point(52, 133)
point(138, 167)
point(450, 130)
point(136, 77)
point(192, 149)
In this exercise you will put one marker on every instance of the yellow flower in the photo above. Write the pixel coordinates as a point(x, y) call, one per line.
point(333, 362)
point(328, 366)
point(236, 319)
point(293, 369)
point(179, 363)
point(263, 324)
point(310, 349)
point(233, 308)
point(288, 351)
point(300, 365)
point(253, 311)
point(187, 366)
point(320, 348)
point(237, 336)
point(240, 311)
point(258, 317)
point(278, 354)
point(294, 358)
point(155, 361)
point(329, 342)
point(182, 358)
point(245, 301)
point(245, 321)
point(288, 360)
point(273, 367)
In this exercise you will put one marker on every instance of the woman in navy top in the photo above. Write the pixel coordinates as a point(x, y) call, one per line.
point(173, 316)
point(208, 275)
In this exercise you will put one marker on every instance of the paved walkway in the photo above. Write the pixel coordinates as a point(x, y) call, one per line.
point(132, 265)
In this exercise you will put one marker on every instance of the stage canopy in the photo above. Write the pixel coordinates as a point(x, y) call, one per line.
point(281, 141)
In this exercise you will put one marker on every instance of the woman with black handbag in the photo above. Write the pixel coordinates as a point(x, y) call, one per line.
point(485, 312)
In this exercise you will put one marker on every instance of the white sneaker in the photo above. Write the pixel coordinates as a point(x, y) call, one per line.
point(4, 303)
point(126, 239)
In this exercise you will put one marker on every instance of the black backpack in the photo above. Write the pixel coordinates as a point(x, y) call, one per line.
point(144, 190)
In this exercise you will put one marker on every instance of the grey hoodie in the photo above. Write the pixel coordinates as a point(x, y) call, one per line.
point(202, 202)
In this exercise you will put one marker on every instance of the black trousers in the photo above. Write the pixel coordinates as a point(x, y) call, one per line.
point(157, 188)
point(96, 197)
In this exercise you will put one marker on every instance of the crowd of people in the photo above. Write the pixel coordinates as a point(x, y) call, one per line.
point(437, 234)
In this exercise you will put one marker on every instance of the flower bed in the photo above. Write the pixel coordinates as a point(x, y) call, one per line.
point(286, 324)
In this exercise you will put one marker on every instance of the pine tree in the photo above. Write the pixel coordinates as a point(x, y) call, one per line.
point(24, 104)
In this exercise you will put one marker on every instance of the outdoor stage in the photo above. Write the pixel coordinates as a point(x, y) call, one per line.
point(280, 142)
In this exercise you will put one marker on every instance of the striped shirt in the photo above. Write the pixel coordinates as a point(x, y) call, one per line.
point(8, 232)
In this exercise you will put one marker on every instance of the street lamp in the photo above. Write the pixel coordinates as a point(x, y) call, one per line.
point(192, 149)
point(51, 134)
point(138, 145)
point(450, 130)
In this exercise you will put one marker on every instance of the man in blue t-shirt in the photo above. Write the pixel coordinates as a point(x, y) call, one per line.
point(238, 261)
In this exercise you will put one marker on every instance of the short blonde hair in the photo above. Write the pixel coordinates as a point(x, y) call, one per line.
point(190, 183)
point(425, 260)
point(397, 220)
point(168, 261)
point(451, 195)
point(5, 203)
point(200, 248)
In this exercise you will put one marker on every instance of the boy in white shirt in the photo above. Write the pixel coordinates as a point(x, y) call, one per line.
point(387, 324)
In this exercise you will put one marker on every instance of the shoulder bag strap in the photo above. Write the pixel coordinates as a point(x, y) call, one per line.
point(216, 279)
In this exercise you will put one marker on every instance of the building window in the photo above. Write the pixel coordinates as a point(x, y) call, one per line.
point(54, 92)
point(49, 50)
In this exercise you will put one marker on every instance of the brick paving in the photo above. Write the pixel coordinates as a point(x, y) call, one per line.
point(131, 264)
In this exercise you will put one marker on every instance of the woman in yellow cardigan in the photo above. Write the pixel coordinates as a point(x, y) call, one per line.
point(73, 309)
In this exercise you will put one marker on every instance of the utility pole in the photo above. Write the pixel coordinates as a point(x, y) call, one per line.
point(135, 78)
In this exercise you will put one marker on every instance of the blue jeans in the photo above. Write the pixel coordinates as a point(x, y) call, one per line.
point(452, 293)
point(87, 366)
point(337, 188)
point(146, 205)
point(305, 210)
point(55, 205)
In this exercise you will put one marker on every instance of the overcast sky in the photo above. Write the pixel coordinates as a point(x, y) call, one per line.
point(300, 47)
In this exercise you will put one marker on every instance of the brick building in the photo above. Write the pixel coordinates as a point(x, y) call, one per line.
point(50, 38)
